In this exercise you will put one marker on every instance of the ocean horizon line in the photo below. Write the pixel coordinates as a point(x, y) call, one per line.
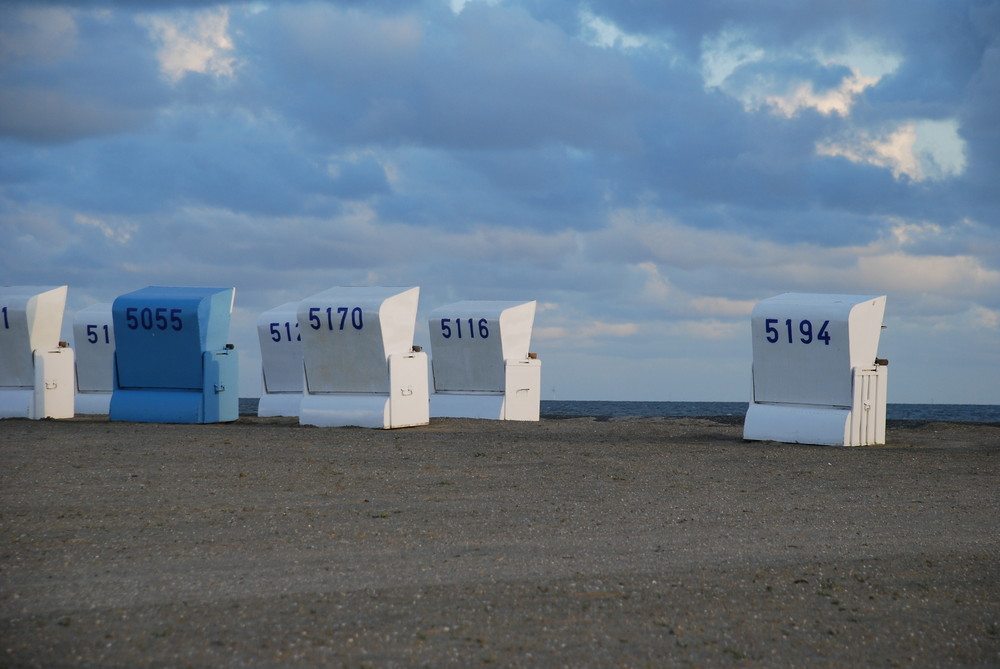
point(975, 413)
point(956, 404)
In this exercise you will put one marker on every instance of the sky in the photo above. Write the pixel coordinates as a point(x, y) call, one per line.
point(646, 171)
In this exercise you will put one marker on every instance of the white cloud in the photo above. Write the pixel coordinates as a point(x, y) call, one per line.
point(196, 42)
point(662, 247)
point(868, 59)
point(601, 32)
point(958, 276)
point(905, 233)
point(802, 95)
point(656, 287)
point(918, 149)
point(586, 333)
point(788, 93)
point(707, 330)
point(723, 306)
point(458, 5)
point(986, 318)
point(892, 150)
point(725, 52)
point(120, 234)
point(939, 148)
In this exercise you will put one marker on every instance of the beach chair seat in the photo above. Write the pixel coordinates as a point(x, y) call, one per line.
point(36, 368)
point(172, 360)
point(480, 359)
point(94, 343)
point(282, 373)
point(361, 367)
point(816, 375)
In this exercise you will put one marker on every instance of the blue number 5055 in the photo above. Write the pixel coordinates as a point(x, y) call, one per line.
point(149, 319)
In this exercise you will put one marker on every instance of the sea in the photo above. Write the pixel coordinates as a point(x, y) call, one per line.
point(959, 413)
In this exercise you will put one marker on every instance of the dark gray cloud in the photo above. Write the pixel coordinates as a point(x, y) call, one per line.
point(549, 188)
point(489, 78)
point(230, 161)
point(63, 77)
point(520, 98)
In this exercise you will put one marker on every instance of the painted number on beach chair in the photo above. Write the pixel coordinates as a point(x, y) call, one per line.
point(470, 330)
point(276, 331)
point(160, 318)
point(94, 333)
point(336, 319)
point(803, 333)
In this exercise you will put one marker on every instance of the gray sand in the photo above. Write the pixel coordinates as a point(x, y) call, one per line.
point(642, 542)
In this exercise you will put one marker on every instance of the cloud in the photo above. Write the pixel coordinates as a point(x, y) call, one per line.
point(63, 77)
point(725, 52)
point(910, 260)
point(986, 318)
point(42, 115)
point(486, 78)
point(723, 306)
point(958, 276)
point(803, 95)
point(120, 233)
point(598, 31)
point(585, 335)
point(789, 80)
point(919, 150)
point(197, 42)
point(36, 34)
point(710, 330)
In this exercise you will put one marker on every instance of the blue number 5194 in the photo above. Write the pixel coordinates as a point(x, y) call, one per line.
point(804, 331)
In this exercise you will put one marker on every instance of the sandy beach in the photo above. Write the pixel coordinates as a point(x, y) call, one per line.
point(576, 542)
